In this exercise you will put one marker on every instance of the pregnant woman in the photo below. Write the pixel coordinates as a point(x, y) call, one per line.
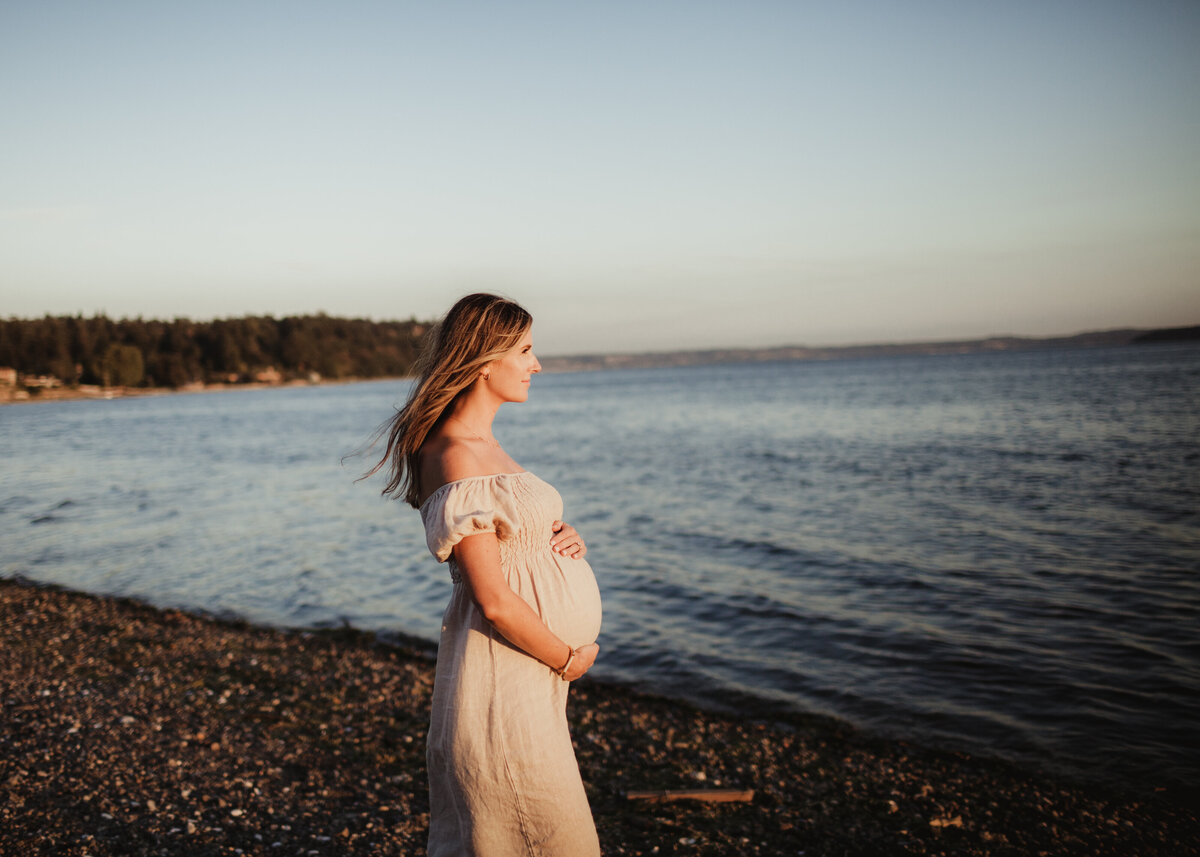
point(525, 610)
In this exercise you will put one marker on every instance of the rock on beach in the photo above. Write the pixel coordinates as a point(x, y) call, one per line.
point(128, 730)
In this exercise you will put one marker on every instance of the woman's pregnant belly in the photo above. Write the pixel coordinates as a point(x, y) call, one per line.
point(565, 595)
point(581, 612)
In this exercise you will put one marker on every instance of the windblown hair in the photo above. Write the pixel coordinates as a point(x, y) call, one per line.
point(477, 330)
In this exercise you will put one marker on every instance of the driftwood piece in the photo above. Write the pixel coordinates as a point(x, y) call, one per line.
point(710, 795)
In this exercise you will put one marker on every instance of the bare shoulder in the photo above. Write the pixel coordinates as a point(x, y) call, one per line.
point(460, 459)
point(448, 459)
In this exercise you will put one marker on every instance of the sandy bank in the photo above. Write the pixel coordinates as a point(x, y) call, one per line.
point(19, 396)
point(127, 730)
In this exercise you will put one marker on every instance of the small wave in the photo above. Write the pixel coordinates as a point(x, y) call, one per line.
point(15, 502)
point(48, 517)
point(776, 455)
point(707, 543)
point(1027, 454)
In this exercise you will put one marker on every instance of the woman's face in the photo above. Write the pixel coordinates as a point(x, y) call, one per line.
point(507, 378)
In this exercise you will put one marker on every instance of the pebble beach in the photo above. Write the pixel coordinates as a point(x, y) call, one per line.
point(129, 730)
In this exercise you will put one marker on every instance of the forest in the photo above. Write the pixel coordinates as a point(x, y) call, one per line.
point(150, 353)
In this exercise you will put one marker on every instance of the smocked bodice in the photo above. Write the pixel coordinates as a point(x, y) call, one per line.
point(518, 507)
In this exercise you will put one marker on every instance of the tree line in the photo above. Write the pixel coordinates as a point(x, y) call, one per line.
point(151, 353)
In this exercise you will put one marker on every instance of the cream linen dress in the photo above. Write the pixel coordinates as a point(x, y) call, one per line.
point(503, 780)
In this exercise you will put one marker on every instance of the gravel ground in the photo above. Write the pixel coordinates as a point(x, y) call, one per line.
point(128, 730)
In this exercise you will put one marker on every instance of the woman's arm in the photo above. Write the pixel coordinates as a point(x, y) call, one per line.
point(478, 558)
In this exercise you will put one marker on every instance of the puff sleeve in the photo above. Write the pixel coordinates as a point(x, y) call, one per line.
point(467, 507)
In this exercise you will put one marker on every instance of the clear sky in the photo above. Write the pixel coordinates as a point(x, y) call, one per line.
point(642, 175)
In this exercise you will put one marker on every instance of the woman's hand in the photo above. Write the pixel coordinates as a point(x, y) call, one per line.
point(585, 656)
point(566, 541)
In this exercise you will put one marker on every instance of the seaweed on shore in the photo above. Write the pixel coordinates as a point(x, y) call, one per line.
point(128, 730)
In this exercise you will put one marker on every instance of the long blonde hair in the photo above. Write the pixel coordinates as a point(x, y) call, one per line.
point(477, 330)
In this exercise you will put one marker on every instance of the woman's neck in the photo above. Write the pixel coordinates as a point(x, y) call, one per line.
point(475, 415)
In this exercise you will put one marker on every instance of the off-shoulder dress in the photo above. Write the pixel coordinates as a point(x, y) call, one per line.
point(503, 779)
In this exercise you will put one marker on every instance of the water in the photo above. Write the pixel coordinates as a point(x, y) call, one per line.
point(992, 552)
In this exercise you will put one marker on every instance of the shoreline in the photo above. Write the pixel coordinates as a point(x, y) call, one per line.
point(133, 730)
point(668, 359)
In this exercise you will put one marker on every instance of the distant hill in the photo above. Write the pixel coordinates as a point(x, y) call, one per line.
point(651, 359)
